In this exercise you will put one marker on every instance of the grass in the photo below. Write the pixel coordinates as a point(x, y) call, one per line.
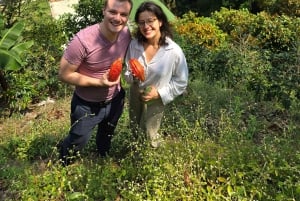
point(199, 162)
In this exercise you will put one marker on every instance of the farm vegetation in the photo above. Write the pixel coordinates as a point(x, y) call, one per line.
point(233, 135)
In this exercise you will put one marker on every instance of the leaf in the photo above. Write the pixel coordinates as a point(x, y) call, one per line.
point(1, 22)
point(298, 189)
point(9, 61)
point(222, 179)
point(11, 36)
point(229, 190)
point(22, 47)
point(76, 196)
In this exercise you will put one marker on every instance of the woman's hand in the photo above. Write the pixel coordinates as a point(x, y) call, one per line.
point(150, 93)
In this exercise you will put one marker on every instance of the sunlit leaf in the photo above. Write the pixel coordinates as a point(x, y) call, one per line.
point(11, 36)
point(222, 179)
point(9, 61)
point(229, 190)
point(20, 48)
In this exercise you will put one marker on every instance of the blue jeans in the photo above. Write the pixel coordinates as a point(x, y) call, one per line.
point(85, 116)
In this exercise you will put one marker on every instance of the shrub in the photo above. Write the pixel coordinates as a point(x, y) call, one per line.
point(276, 33)
point(87, 12)
point(200, 31)
point(197, 36)
point(263, 54)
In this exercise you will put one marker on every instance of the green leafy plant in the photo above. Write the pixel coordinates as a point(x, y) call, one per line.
point(200, 31)
point(87, 12)
point(223, 139)
point(11, 50)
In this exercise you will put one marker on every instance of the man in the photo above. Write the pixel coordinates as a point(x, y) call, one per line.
point(86, 63)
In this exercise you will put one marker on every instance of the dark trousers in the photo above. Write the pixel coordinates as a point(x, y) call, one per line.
point(85, 116)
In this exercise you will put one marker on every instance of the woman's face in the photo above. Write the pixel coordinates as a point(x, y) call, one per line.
point(149, 25)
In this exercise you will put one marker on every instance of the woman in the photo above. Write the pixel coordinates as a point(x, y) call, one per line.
point(165, 67)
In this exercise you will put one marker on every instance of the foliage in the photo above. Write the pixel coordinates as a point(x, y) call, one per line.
point(12, 47)
point(235, 161)
point(276, 33)
point(197, 36)
point(206, 7)
point(263, 30)
point(200, 31)
point(235, 23)
point(87, 12)
point(283, 7)
point(240, 68)
point(11, 9)
point(38, 78)
point(227, 138)
point(19, 96)
point(258, 42)
point(284, 77)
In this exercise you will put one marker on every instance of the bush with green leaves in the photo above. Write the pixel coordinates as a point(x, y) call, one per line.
point(215, 149)
point(285, 7)
point(200, 31)
point(87, 12)
point(12, 59)
point(263, 52)
point(37, 79)
point(284, 77)
point(197, 36)
point(235, 23)
point(276, 33)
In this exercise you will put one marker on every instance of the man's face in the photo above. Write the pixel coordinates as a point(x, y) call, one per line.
point(116, 15)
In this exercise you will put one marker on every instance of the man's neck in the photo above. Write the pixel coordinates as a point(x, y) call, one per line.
point(110, 36)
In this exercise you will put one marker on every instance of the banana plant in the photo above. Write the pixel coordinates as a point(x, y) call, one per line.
point(11, 46)
point(11, 49)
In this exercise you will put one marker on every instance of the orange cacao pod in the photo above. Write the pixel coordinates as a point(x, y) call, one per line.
point(137, 69)
point(115, 70)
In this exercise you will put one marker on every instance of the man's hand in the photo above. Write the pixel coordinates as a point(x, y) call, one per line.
point(68, 73)
point(104, 81)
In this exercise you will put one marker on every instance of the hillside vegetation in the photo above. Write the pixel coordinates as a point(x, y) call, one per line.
point(234, 134)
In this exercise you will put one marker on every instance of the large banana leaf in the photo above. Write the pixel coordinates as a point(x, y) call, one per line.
point(18, 49)
point(11, 49)
point(9, 61)
point(11, 36)
point(1, 22)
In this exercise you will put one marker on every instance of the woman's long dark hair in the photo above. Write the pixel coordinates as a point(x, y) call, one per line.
point(165, 28)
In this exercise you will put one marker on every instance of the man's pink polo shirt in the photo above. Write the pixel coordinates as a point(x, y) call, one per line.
point(94, 54)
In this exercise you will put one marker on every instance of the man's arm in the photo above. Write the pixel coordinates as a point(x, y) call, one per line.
point(68, 73)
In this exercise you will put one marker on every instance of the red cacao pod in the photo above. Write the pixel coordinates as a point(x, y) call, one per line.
point(137, 69)
point(115, 70)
